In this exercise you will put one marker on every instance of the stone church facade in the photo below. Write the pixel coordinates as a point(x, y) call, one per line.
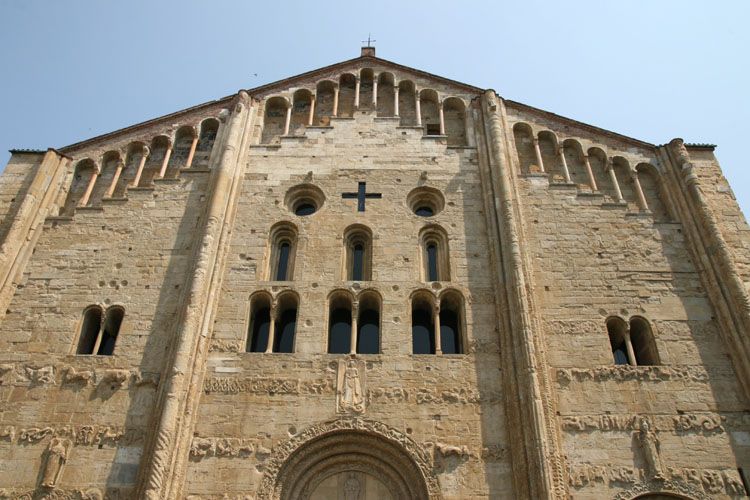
point(370, 282)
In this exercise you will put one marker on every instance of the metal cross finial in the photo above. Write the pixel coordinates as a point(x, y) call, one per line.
point(369, 40)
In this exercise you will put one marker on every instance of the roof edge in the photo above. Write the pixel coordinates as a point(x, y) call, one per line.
point(585, 126)
point(79, 144)
point(308, 74)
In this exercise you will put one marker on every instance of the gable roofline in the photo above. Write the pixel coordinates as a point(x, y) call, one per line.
point(325, 69)
point(377, 60)
point(78, 145)
point(584, 126)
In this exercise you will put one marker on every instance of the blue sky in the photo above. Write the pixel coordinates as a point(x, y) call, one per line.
point(653, 70)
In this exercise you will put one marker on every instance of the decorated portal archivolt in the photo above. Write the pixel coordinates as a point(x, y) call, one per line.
point(298, 466)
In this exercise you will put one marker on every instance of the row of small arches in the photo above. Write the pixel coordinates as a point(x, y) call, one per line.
point(354, 322)
point(357, 255)
point(566, 161)
point(140, 164)
point(381, 93)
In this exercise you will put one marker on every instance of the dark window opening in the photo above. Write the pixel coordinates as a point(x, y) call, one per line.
point(339, 331)
point(422, 332)
point(450, 335)
point(284, 335)
point(92, 319)
point(368, 336)
point(433, 129)
point(259, 328)
point(304, 209)
point(620, 354)
point(358, 262)
point(432, 263)
point(424, 211)
point(283, 264)
point(109, 335)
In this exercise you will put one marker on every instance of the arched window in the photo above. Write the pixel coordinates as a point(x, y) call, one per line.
point(621, 168)
point(454, 115)
point(523, 136)
point(358, 260)
point(366, 79)
point(451, 321)
point(598, 162)
point(324, 94)
point(347, 88)
point(97, 336)
point(135, 152)
point(159, 147)
point(618, 332)
point(550, 158)
point(653, 191)
point(182, 145)
point(112, 323)
point(632, 344)
point(643, 342)
point(435, 261)
point(300, 111)
point(573, 152)
point(275, 120)
point(422, 324)
point(206, 140)
point(81, 178)
point(386, 103)
point(260, 323)
point(283, 239)
point(110, 161)
point(407, 104)
point(428, 103)
point(368, 323)
point(286, 323)
point(340, 323)
point(92, 321)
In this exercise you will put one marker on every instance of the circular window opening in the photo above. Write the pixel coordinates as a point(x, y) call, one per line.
point(305, 208)
point(304, 199)
point(425, 201)
point(424, 211)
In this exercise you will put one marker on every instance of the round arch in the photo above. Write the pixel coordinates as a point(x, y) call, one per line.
point(298, 466)
point(653, 489)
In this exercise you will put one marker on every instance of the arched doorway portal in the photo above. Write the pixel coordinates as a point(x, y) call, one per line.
point(349, 458)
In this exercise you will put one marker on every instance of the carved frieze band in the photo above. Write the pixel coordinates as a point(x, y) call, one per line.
point(111, 378)
point(704, 423)
point(266, 386)
point(283, 386)
point(678, 480)
point(81, 435)
point(622, 373)
point(57, 494)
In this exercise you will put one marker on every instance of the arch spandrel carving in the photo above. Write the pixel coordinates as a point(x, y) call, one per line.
point(662, 489)
point(297, 466)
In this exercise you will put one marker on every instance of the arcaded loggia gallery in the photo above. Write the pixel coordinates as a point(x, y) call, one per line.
point(369, 282)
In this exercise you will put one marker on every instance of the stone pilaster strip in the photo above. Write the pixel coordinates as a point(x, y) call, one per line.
point(173, 413)
point(544, 464)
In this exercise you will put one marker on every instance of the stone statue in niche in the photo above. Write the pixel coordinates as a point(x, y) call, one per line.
point(350, 391)
point(352, 487)
point(649, 444)
point(57, 454)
